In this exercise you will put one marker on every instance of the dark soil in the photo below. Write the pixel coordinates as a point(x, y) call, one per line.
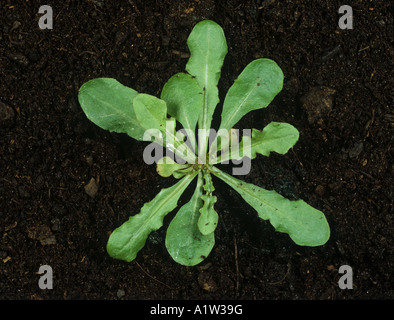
point(337, 93)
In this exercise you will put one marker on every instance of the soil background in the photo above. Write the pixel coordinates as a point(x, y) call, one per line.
point(337, 93)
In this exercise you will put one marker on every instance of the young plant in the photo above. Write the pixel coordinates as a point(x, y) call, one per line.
point(190, 99)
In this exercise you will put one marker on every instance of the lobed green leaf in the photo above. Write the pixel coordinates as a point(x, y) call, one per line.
point(208, 220)
point(276, 137)
point(125, 241)
point(305, 225)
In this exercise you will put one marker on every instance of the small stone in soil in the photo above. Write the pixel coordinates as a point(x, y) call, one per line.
point(120, 293)
point(91, 188)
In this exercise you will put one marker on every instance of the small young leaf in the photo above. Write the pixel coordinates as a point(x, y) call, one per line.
point(109, 104)
point(167, 166)
point(184, 241)
point(179, 174)
point(125, 241)
point(208, 220)
point(208, 48)
point(164, 135)
point(305, 225)
point(151, 112)
point(255, 88)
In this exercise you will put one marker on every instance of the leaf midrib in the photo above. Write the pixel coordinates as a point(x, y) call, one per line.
point(225, 126)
